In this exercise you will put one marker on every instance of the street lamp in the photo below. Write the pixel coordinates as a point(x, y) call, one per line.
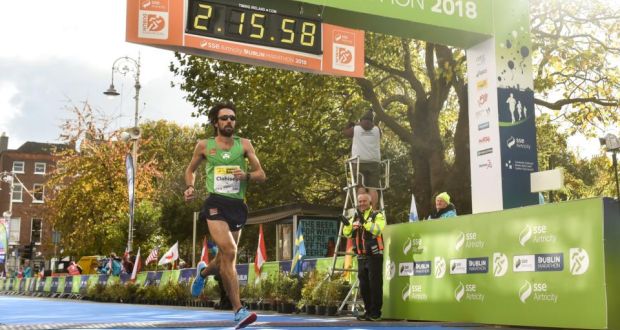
point(612, 144)
point(125, 65)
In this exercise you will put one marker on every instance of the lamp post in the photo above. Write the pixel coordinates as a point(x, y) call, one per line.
point(125, 65)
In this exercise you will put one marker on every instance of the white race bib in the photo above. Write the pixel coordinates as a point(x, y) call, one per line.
point(225, 181)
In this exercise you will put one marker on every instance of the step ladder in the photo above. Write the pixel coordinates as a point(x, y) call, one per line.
point(355, 179)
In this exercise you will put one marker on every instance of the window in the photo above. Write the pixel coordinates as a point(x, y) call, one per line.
point(37, 193)
point(18, 192)
point(18, 167)
point(39, 168)
point(37, 226)
point(14, 231)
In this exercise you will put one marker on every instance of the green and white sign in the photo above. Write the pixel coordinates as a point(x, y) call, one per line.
point(535, 266)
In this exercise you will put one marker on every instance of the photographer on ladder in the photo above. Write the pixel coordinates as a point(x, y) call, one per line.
point(366, 228)
point(367, 146)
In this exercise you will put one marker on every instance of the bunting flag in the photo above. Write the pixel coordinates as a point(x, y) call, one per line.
point(299, 252)
point(131, 187)
point(348, 258)
point(413, 210)
point(171, 255)
point(261, 252)
point(4, 240)
point(152, 256)
point(136, 266)
point(204, 255)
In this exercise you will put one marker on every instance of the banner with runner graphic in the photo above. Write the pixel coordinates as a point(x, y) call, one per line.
point(531, 266)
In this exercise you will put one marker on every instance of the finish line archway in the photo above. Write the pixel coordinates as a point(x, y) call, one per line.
point(495, 34)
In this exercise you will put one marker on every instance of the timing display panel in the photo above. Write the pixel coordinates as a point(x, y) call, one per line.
point(289, 35)
point(242, 23)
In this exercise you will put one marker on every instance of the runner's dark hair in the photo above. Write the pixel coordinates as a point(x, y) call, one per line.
point(215, 111)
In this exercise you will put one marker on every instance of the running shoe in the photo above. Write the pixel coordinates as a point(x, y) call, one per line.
point(199, 281)
point(244, 317)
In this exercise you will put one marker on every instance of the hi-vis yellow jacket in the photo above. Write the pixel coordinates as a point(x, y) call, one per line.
point(367, 237)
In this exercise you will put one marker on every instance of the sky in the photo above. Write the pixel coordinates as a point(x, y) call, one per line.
point(55, 54)
point(59, 53)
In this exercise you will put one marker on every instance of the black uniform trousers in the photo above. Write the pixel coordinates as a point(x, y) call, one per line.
point(370, 275)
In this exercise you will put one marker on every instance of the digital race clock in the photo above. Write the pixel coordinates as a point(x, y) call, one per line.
point(232, 20)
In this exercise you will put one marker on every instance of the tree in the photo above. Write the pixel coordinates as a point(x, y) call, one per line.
point(575, 50)
point(89, 205)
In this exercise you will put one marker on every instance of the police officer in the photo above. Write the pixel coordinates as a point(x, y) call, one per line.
point(365, 228)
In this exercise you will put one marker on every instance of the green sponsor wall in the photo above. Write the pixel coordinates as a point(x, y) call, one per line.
point(553, 265)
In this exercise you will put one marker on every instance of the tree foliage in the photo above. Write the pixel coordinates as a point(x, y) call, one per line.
point(89, 206)
point(576, 52)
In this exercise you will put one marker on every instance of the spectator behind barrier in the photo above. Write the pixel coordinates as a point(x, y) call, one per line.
point(444, 209)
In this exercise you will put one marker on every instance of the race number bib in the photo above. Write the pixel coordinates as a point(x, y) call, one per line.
point(225, 181)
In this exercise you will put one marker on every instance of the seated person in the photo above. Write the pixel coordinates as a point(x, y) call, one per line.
point(444, 209)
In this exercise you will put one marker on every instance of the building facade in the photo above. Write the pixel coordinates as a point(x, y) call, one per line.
point(27, 168)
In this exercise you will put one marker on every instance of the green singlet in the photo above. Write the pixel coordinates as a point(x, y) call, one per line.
point(220, 167)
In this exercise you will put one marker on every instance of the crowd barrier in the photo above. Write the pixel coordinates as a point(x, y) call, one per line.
point(79, 284)
point(553, 265)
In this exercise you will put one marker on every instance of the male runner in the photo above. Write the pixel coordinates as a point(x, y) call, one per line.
point(226, 212)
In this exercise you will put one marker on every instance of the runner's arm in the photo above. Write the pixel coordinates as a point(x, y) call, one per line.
point(255, 171)
point(190, 175)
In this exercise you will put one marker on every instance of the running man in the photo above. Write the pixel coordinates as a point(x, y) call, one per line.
point(225, 210)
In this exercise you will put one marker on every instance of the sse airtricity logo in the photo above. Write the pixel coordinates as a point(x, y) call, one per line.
point(525, 235)
point(459, 292)
point(440, 267)
point(525, 291)
point(460, 241)
point(406, 292)
point(500, 264)
point(579, 261)
point(390, 269)
point(407, 247)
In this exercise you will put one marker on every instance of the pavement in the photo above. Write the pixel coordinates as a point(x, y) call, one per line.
point(25, 313)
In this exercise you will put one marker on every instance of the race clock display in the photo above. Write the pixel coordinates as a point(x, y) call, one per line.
point(256, 25)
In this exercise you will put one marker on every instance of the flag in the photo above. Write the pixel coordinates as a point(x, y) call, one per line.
point(4, 239)
point(413, 210)
point(204, 256)
point(171, 255)
point(348, 258)
point(136, 266)
point(152, 256)
point(261, 252)
point(299, 252)
point(131, 187)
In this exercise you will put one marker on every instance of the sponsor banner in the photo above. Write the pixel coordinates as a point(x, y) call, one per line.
point(153, 278)
point(83, 283)
point(513, 267)
point(40, 285)
point(517, 131)
point(186, 275)
point(68, 284)
point(242, 273)
point(483, 128)
point(54, 284)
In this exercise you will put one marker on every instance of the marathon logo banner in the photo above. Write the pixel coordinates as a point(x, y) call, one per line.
point(545, 258)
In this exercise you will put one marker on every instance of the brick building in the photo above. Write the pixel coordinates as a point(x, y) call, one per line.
point(31, 164)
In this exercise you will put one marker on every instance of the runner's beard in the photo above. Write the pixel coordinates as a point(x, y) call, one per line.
point(227, 131)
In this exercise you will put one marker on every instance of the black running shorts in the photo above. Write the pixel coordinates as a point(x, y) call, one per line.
point(221, 208)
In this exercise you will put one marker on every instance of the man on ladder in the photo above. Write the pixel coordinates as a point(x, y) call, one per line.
point(367, 148)
point(366, 228)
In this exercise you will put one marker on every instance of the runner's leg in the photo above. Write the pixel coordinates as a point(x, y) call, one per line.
point(227, 243)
